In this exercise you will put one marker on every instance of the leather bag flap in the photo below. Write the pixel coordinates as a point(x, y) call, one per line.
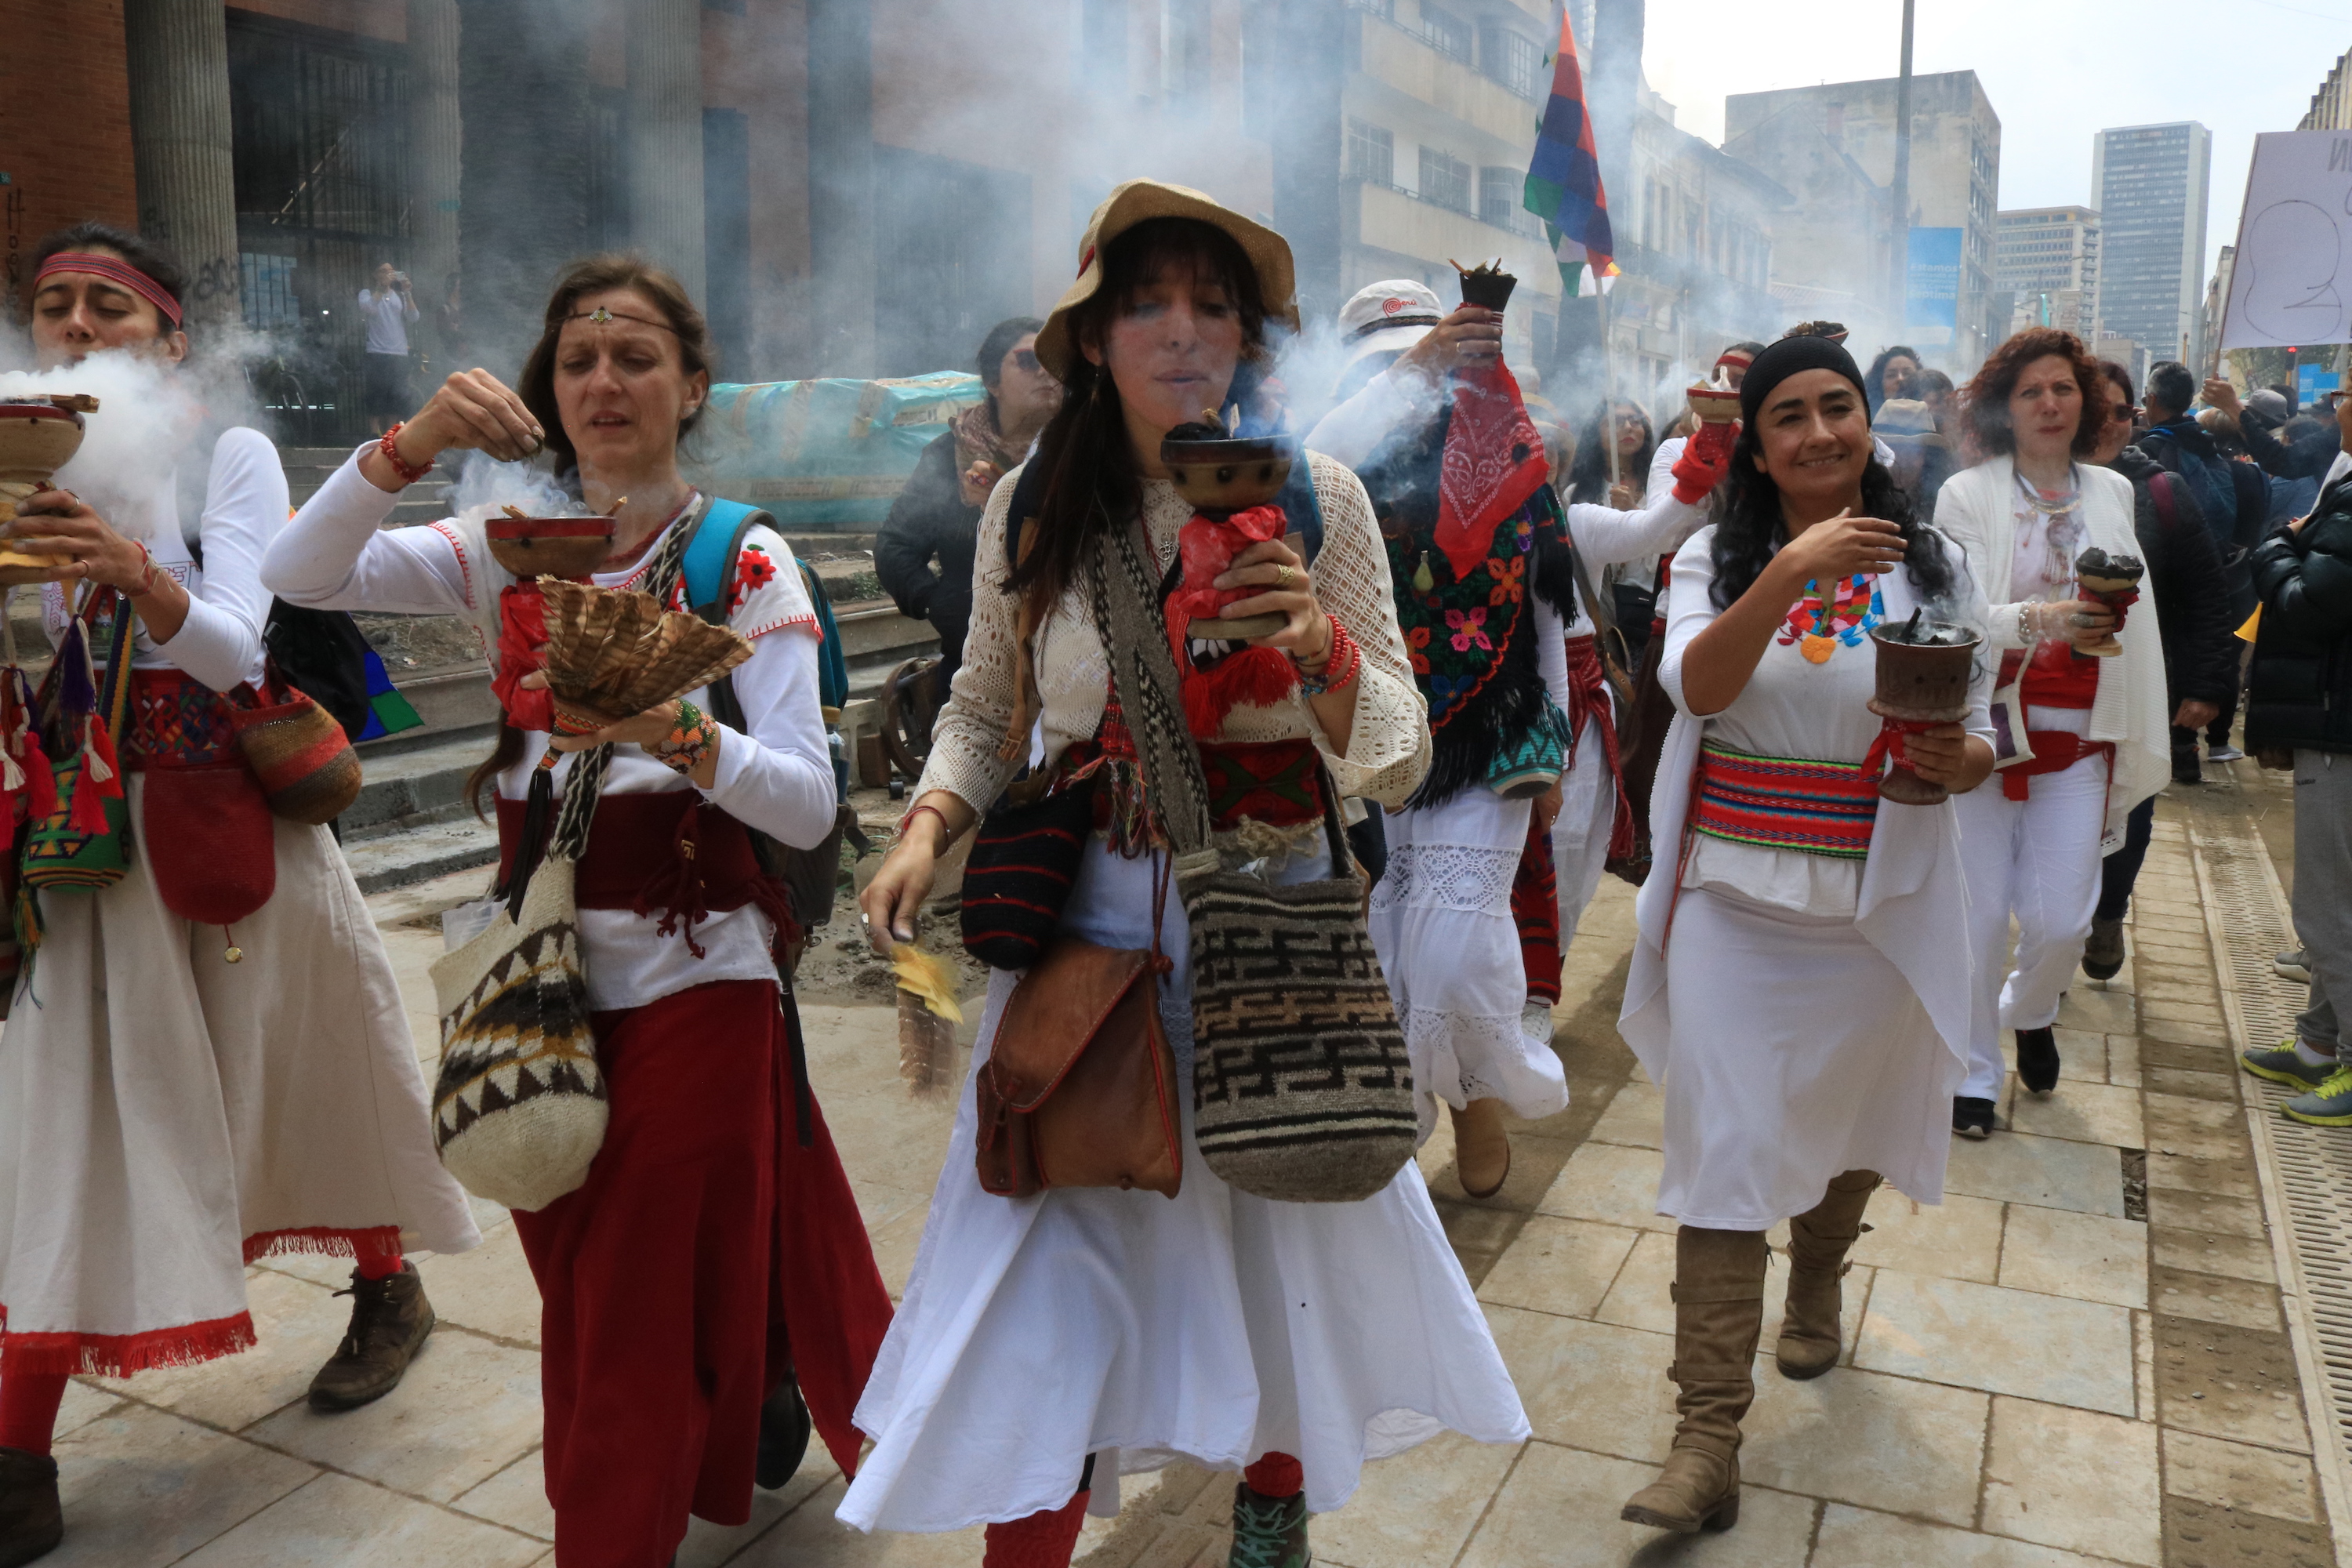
point(1054, 1011)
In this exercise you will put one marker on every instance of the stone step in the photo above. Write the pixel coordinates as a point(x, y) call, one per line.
point(416, 855)
point(415, 787)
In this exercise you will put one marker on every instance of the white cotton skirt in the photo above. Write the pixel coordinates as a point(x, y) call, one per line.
point(1441, 922)
point(166, 1115)
point(1798, 1052)
point(1580, 833)
point(1212, 1326)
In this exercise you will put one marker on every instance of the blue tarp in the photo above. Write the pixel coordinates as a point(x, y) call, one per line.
point(828, 454)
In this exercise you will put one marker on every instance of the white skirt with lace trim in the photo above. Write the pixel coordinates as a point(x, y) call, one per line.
point(1441, 920)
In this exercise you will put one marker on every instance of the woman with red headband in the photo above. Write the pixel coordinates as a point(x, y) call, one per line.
point(261, 1094)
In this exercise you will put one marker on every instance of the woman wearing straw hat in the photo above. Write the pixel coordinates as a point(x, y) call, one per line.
point(1050, 1343)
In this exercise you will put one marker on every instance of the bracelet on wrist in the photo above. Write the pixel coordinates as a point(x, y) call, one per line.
point(947, 829)
point(409, 472)
point(1341, 665)
point(690, 738)
point(146, 576)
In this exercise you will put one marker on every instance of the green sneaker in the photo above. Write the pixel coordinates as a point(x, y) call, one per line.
point(1270, 1532)
point(2281, 1065)
point(2329, 1105)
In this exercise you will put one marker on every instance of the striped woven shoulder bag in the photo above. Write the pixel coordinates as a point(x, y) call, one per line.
point(1302, 1091)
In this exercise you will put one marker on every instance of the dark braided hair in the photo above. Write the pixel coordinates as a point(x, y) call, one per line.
point(1750, 526)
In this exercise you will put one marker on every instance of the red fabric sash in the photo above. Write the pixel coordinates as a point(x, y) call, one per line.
point(1588, 696)
point(1535, 909)
point(1493, 460)
point(1785, 803)
point(671, 853)
point(2054, 751)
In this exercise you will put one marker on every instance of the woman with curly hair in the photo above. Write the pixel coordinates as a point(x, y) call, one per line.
point(1793, 987)
point(2093, 742)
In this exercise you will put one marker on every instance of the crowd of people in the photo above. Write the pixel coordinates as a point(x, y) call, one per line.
point(1325, 872)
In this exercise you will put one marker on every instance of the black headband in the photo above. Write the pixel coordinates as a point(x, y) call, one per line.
point(1779, 361)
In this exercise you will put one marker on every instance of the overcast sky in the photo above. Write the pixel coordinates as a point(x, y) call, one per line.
point(2057, 71)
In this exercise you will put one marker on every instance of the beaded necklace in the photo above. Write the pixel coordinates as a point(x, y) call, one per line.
point(1829, 627)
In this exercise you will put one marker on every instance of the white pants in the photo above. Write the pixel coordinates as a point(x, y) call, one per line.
point(2038, 859)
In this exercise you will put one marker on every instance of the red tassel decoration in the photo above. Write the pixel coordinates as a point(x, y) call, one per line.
point(1259, 676)
point(40, 784)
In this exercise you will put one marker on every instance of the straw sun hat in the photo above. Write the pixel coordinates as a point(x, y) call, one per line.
point(1139, 201)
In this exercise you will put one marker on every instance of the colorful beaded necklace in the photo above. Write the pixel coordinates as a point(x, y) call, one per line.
point(1845, 615)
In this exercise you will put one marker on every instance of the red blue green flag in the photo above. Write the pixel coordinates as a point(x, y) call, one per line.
point(1564, 179)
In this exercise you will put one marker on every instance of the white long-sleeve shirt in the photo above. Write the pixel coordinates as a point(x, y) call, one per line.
point(777, 777)
point(245, 509)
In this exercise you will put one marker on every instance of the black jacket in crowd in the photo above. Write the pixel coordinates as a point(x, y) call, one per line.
point(2301, 693)
point(2233, 536)
point(2305, 458)
point(2184, 573)
point(930, 520)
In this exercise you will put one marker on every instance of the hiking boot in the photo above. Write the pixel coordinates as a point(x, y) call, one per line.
point(2037, 1059)
point(1718, 1315)
point(783, 1435)
point(31, 1522)
point(2102, 955)
point(390, 1317)
point(1269, 1532)
point(1819, 1240)
point(1972, 1116)
point(2329, 1105)
point(2284, 1063)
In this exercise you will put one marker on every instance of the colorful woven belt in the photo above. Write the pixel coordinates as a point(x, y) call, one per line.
point(1785, 803)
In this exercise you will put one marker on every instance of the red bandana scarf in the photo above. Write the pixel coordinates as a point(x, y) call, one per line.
point(1494, 461)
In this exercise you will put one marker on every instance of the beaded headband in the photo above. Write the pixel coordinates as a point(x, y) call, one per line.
point(600, 316)
point(114, 269)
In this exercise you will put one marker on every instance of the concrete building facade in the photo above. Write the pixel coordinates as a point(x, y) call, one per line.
point(2331, 106)
point(2047, 260)
point(1832, 147)
point(2150, 184)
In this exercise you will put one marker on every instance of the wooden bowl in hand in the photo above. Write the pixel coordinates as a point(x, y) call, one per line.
point(551, 546)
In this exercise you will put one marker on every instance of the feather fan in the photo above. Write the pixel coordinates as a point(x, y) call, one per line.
point(617, 652)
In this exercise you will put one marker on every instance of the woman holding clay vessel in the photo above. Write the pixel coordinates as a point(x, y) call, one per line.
point(2095, 726)
point(1793, 987)
point(1051, 1342)
point(177, 1100)
point(712, 1269)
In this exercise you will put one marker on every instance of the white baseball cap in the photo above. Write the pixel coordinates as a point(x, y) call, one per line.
point(1388, 317)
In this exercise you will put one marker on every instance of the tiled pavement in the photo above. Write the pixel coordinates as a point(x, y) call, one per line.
point(2079, 1358)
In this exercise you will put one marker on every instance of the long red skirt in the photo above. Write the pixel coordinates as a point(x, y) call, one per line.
point(707, 1254)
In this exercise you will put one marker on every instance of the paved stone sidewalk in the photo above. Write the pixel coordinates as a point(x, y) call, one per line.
point(2078, 1358)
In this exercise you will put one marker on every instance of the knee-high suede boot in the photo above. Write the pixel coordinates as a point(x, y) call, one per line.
point(1819, 1240)
point(1719, 1314)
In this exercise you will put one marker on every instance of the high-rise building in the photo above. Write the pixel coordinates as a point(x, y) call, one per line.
point(1832, 147)
point(2047, 260)
point(2150, 184)
point(2331, 106)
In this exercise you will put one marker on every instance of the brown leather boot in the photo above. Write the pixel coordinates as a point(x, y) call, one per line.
point(1819, 1240)
point(1482, 1148)
point(1718, 1315)
point(31, 1522)
point(390, 1317)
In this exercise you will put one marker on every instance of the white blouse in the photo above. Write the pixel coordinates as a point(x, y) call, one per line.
point(244, 509)
point(1792, 708)
point(1388, 748)
point(778, 778)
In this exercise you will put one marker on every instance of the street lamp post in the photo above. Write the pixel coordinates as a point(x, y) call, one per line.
point(1898, 190)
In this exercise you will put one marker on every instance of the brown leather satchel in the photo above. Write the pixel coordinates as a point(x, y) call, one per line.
point(1079, 1086)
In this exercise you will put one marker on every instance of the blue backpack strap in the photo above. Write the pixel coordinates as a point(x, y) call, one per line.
point(832, 668)
point(712, 554)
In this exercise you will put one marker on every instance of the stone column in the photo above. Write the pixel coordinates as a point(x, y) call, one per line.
point(664, 52)
point(436, 145)
point(841, 185)
point(180, 140)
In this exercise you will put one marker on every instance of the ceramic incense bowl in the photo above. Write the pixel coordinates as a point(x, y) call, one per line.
point(1714, 405)
point(551, 546)
point(1925, 682)
point(1230, 475)
point(36, 439)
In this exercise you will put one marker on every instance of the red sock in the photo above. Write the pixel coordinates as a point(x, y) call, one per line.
point(1043, 1540)
point(28, 1409)
point(1275, 1475)
point(379, 1265)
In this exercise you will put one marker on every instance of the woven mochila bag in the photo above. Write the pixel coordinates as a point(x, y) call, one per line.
point(1302, 1091)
